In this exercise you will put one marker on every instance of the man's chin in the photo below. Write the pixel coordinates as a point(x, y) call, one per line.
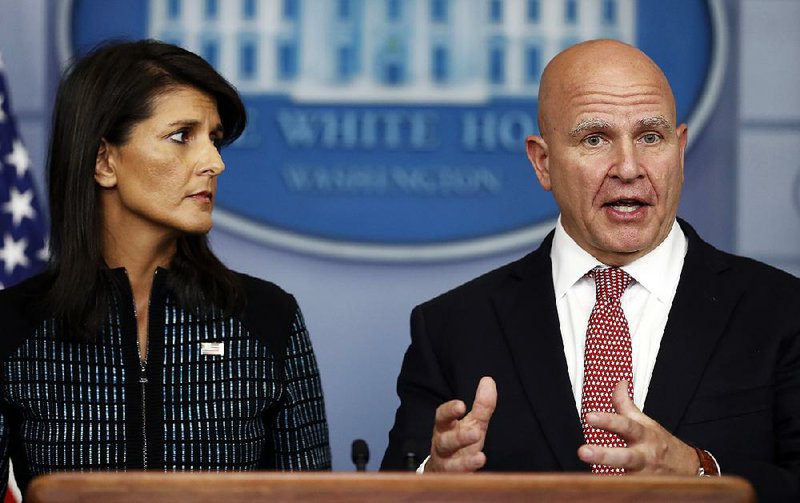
point(626, 248)
point(621, 251)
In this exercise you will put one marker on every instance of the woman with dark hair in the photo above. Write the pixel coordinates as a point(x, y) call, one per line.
point(138, 348)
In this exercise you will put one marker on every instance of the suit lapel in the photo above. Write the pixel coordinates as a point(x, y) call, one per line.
point(529, 320)
point(703, 303)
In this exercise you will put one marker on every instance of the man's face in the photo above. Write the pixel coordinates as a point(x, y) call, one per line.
point(613, 158)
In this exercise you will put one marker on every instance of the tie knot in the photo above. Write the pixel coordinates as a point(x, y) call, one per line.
point(610, 282)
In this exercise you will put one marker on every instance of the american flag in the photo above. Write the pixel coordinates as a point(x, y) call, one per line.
point(23, 246)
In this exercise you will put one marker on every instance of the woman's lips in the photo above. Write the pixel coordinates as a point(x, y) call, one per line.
point(203, 197)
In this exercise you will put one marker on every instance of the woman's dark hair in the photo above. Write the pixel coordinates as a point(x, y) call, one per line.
point(103, 96)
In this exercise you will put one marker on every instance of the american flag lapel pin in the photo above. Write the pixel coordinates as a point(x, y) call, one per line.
point(212, 348)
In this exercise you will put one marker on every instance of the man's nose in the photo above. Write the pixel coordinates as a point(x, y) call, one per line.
point(626, 161)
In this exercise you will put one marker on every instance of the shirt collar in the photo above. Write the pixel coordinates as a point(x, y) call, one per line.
point(659, 271)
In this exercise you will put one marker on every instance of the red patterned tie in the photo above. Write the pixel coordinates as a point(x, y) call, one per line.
point(607, 359)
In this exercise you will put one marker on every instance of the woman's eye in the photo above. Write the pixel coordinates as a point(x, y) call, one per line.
point(651, 138)
point(181, 136)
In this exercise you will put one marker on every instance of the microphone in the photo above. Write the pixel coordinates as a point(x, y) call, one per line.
point(410, 455)
point(359, 453)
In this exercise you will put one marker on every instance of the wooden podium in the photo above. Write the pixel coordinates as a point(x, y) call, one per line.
point(252, 487)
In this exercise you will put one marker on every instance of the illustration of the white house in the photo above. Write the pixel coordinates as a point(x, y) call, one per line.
point(386, 50)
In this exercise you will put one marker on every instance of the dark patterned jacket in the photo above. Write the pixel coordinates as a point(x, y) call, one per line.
point(79, 406)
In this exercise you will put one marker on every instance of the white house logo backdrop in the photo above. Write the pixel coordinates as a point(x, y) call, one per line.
point(394, 129)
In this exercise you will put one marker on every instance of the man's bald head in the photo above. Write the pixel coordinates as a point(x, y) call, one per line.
point(609, 149)
point(605, 62)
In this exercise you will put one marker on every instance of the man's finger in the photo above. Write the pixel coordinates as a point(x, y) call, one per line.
point(623, 426)
point(460, 463)
point(457, 442)
point(485, 401)
point(449, 412)
point(621, 457)
point(467, 463)
point(622, 401)
point(451, 441)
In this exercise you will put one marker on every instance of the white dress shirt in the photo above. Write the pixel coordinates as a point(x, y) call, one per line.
point(646, 303)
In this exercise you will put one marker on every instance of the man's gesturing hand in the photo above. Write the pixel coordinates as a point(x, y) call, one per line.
point(457, 444)
point(651, 449)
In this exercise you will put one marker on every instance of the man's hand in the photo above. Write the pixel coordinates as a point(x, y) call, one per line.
point(457, 444)
point(651, 449)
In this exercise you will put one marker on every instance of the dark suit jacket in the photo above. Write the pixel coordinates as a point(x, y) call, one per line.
point(727, 375)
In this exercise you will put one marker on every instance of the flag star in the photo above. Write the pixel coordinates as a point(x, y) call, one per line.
point(20, 206)
point(13, 253)
point(19, 158)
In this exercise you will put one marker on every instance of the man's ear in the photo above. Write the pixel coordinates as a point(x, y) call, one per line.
point(538, 155)
point(683, 138)
point(104, 168)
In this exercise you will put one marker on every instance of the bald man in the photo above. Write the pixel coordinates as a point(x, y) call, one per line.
point(693, 368)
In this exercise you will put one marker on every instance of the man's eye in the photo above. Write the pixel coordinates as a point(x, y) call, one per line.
point(593, 141)
point(651, 138)
point(181, 136)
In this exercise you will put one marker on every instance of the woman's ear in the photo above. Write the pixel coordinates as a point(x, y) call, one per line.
point(104, 169)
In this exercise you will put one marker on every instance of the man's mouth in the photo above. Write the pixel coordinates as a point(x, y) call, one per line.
point(625, 205)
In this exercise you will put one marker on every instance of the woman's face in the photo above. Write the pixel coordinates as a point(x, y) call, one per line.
point(164, 178)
